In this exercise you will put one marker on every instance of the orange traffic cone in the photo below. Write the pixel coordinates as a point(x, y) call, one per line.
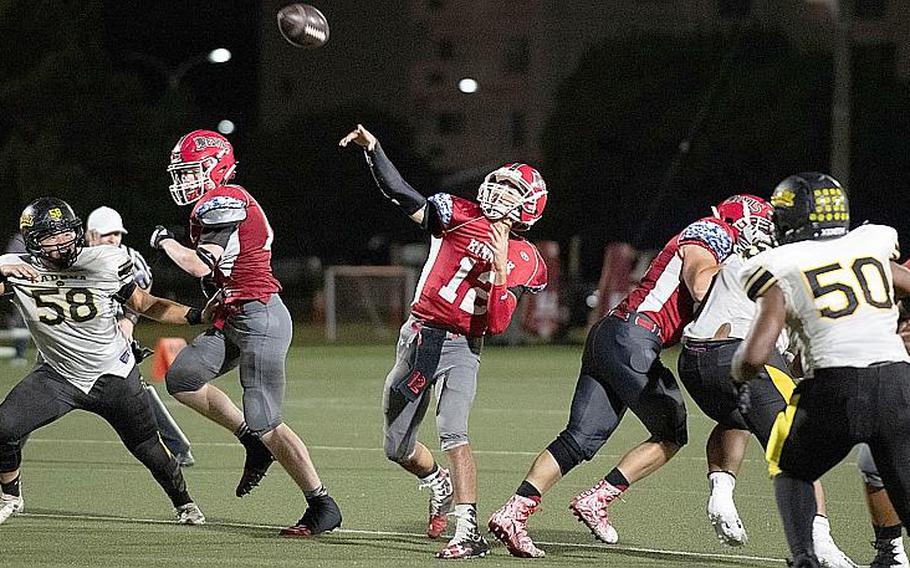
point(166, 351)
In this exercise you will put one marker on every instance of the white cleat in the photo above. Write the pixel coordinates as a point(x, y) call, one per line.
point(827, 552)
point(190, 514)
point(9, 506)
point(725, 519)
point(890, 554)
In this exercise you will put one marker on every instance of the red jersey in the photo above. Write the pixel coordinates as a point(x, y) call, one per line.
point(229, 217)
point(454, 286)
point(661, 295)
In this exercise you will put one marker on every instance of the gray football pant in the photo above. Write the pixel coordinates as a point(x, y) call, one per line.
point(257, 339)
point(455, 386)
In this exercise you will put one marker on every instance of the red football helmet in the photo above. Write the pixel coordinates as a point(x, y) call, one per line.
point(201, 160)
point(516, 191)
point(750, 217)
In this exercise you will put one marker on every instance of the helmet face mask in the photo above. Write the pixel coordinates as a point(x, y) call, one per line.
point(750, 217)
point(514, 191)
point(201, 161)
point(52, 232)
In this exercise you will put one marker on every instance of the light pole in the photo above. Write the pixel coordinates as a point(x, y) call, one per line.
point(839, 161)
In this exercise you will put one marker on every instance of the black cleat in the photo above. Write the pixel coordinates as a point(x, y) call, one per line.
point(322, 515)
point(258, 460)
point(804, 561)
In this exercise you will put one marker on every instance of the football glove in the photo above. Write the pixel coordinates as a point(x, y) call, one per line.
point(140, 352)
point(159, 235)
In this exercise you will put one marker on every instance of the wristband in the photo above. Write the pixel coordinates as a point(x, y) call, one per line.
point(193, 316)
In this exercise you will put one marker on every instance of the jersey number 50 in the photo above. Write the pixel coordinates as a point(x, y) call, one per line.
point(839, 283)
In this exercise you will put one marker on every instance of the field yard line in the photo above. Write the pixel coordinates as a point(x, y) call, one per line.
point(359, 449)
point(679, 553)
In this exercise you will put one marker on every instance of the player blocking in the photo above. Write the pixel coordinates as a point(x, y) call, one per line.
point(835, 288)
point(67, 297)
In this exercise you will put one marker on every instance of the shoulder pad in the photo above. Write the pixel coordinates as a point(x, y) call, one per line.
point(221, 210)
point(712, 234)
point(528, 268)
point(443, 204)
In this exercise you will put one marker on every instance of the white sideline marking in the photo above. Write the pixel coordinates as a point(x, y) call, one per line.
point(361, 449)
point(607, 547)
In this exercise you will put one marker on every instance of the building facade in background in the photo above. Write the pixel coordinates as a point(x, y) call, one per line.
point(476, 80)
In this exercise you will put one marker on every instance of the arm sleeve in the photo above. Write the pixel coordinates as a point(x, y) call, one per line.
point(500, 308)
point(391, 184)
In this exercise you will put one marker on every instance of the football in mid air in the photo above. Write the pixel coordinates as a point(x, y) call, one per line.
point(303, 26)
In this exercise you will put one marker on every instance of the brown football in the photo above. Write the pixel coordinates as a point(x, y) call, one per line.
point(303, 25)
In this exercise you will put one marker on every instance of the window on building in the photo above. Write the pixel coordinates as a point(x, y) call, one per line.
point(734, 8)
point(870, 9)
point(449, 123)
point(517, 55)
point(519, 124)
point(445, 49)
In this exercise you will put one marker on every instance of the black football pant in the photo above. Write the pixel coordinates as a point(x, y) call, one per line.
point(828, 415)
point(44, 396)
point(704, 369)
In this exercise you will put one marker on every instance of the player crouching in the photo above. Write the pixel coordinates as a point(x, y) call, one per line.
point(66, 297)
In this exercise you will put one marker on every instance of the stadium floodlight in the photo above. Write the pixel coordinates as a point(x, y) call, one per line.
point(219, 55)
point(468, 85)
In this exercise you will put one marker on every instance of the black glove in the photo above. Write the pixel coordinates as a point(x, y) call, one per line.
point(744, 398)
point(140, 352)
point(159, 235)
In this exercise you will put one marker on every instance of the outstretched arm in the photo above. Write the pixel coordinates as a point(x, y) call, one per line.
point(386, 175)
point(18, 270)
point(198, 263)
point(162, 310)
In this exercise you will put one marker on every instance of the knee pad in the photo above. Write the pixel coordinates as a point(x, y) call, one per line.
point(567, 453)
point(181, 378)
point(451, 441)
point(867, 468)
point(397, 450)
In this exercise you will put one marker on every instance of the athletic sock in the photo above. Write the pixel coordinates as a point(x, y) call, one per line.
point(320, 491)
point(882, 534)
point(617, 479)
point(796, 503)
point(244, 435)
point(430, 476)
point(526, 489)
point(722, 483)
point(13, 487)
point(466, 525)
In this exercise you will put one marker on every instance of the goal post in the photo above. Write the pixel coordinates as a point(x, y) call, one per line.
point(374, 298)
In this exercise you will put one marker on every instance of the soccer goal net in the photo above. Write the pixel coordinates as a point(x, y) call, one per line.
point(367, 302)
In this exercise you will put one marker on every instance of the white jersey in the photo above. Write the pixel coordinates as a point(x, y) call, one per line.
point(839, 295)
point(70, 313)
point(727, 304)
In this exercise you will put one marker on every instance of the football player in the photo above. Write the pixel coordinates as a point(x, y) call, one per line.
point(620, 370)
point(709, 343)
point(835, 289)
point(104, 226)
point(477, 270)
point(66, 296)
point(231, 250)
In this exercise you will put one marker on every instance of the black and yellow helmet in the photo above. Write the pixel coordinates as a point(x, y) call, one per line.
point(809, 205)
point(46, 217)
